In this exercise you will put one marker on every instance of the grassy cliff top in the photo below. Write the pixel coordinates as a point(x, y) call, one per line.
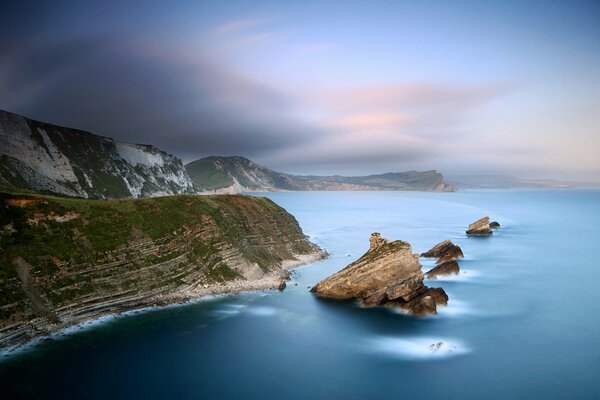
point(67, 237)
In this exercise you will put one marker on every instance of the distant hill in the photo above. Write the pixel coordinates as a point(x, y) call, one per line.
point(49, 158)
point(238, 174)
point(505, 182)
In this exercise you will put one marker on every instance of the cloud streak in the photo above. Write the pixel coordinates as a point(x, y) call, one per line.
point(308, 93)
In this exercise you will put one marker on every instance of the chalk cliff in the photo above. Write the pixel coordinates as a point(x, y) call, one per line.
point(44, 157)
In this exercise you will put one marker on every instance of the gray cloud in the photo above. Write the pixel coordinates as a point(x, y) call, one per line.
point(140, 92)
point(188, 101)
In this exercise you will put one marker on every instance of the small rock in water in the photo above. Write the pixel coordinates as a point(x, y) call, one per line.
point(494, 225)
point(481, 227)
point(282, 286)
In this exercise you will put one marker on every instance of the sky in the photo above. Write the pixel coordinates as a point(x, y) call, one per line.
point(324, 87)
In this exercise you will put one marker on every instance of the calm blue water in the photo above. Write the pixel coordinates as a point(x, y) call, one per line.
point(523, 317)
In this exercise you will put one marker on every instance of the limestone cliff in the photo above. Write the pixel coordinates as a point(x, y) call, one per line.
point(388, 274)
point(64, 260)
point(44, 157)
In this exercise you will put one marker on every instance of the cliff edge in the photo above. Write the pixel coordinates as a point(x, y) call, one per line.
point(66, 260)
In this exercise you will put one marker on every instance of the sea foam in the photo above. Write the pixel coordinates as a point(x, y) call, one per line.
point(417, 348)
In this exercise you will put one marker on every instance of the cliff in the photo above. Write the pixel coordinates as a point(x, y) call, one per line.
point(389, 274)
point(44, 157)
point(64, 260)
point(238, 174)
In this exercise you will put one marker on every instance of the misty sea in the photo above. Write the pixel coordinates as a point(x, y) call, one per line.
point(523, 319)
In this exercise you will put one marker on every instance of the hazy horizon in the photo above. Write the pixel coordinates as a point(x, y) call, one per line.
point(322, 88)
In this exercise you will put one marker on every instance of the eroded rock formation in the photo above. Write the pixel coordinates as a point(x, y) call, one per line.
point(444, 251)
point(481, 227)
point(447, 254)
point(388, 274)
point(446, 268)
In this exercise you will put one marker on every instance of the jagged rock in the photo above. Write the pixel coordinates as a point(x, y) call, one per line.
point(444, 251)
point(447, 254)
point(376, 241)
point(494, 225)
point(388, 274)
point(446, 268)
point(481, 227)
point(281, 286)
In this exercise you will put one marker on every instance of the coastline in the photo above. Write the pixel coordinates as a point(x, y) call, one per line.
point(270, 281)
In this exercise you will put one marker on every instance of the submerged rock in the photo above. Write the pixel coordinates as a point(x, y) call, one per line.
point(388, 274)
point(481, 227)
point(441, 346)
point(446, 268)
point(494, 225)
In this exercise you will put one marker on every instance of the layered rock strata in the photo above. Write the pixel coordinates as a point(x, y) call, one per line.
point(447, 254)
point(64, 260)
point(481, 227)
point(389, 274)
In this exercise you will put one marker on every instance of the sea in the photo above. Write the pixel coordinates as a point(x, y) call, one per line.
point(522, 322)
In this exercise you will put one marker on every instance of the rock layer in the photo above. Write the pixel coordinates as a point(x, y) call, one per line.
point(481, 227)
point(444, 251)
point(446, 268)
point(388, 274)
point(447, 254)
point(116, 255)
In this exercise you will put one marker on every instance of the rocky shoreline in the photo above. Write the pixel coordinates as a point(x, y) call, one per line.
point(10, 343)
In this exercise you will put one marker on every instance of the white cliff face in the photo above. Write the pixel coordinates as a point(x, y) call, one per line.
point(135, 155)
point(40, 156)
point(38, 161)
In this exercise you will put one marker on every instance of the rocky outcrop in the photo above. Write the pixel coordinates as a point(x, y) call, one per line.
point(44, 157)
point(117, 255)
point(388, 274)
point(444, 251)
point(494, 225)
point(447, 254)
point(443, 269)
point(481, 227)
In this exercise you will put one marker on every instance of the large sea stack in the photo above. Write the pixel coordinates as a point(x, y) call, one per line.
point(388, 274)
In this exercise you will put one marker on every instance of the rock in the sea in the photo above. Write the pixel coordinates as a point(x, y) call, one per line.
point(446, 268)
point(282, 286)
point(444, 251)
point(494, 225)
point(388, 274)
point(480, 227)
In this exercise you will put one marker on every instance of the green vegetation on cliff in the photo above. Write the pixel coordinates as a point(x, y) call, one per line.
point(66, 256)
point(241, 174)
